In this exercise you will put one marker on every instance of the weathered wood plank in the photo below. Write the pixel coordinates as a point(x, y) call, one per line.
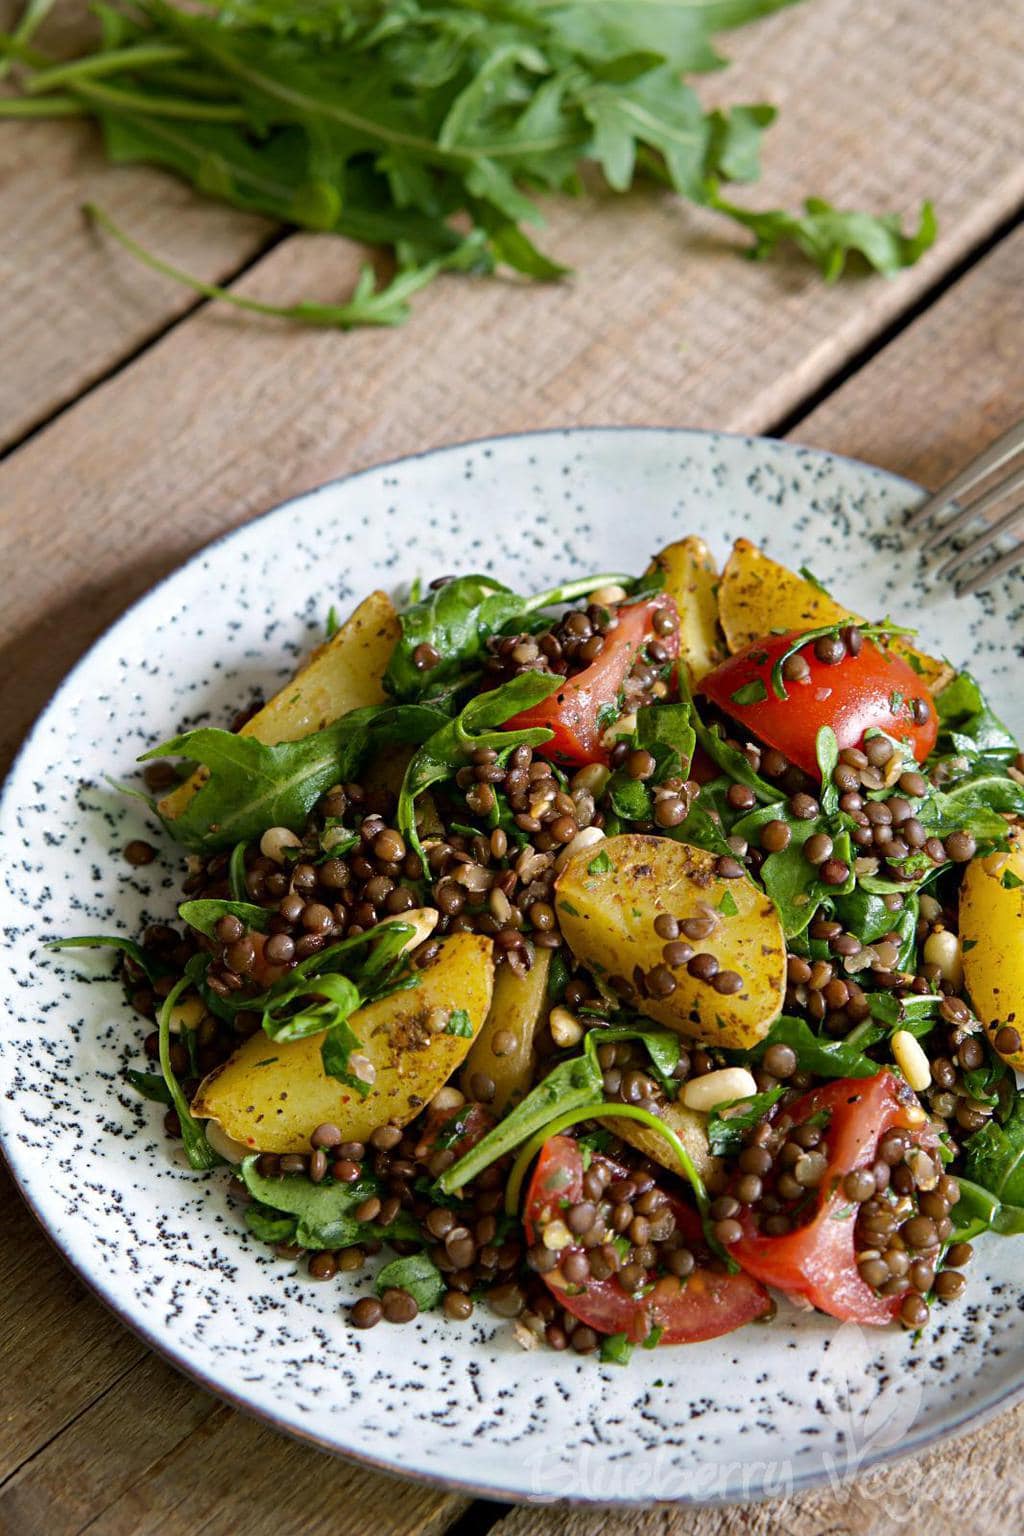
point(225, 416)
point(158, 1455)
point(59, 1348)
point(952, 383)
point(69, 315)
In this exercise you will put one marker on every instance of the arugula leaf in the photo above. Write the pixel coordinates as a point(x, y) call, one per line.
point(236, 873)
point(570, 1086)
point(477, 725)
point(979, 1210)
point(269, 1226)
point(323, 1213)
point(204, 915)
point(828, 236)
point(251, 787)
point(150, 967)
point(417, 1274)
point(825, 1058)
point(977, 805)
point(428, 128)
point(792, 881)
point(727, 1123)
point(457, 619)
point(968, 726)
point(826, 750)
point(151, 1086)
point(995, 1156)
point(318, 995)
point(616, 1349)
point(460, 1024)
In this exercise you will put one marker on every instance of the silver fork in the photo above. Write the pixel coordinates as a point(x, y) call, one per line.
point(1005, 454)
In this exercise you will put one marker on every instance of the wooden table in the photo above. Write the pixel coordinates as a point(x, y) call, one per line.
point(136, 423)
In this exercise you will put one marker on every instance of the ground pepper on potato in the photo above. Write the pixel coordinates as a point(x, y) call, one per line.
point(622, 953)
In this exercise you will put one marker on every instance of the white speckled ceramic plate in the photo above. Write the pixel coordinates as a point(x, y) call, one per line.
point(763, 1411)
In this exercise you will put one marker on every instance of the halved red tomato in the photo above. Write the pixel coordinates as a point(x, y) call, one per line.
point(573, 712)
point(873, 690)
point(708, 1303)
point(817, 1261)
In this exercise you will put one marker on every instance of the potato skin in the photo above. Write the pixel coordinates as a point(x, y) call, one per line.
point(992, 934)
point(608, 921)
point(270, 1096)
point(520, 1006)
point(758, 595)
point(343, 674)
point(689, 1125)
point(691, 580)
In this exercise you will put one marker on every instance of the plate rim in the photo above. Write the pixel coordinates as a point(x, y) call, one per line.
point(970, 1418)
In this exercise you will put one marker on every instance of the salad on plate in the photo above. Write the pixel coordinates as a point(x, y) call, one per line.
point(621, 959)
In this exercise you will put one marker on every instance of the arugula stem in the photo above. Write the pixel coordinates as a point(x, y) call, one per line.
point(807, 637)
point(160, 106)
point(111, 63)
point(32, 17)
point(571, 589)
point(49, 106)
point(198, 1150)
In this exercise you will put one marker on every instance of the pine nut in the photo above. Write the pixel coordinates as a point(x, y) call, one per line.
point(225, 1146)
point(593, 778)
point(625, 725)
point(447, 1098)
point(911, 1060)
point(608, 597)
point(722, 1087)
point(274, 842)
point(565, 1027)
point(556, 1235)
point(943, 949)
point(587, 837)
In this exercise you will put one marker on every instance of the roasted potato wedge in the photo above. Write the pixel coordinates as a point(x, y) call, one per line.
point(691, 580)
point(689, 1126)
point(758, 595)
point(270, 1096)
point(992, 936)
point(518, 1010)
point(608, 918)
point(341, 675)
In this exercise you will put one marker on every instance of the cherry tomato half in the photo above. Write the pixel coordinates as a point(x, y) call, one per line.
point(817, 1261)
point(573, 712)
point(873, 690)
point(709, 1302)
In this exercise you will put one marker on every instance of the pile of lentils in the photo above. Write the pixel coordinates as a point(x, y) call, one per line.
point(902, 1204)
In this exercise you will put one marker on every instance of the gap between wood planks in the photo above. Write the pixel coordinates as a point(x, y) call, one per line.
point(792, 419)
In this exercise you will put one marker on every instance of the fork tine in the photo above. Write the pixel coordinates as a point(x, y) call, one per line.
point(984, 539)
point(993, 457)
point(992, 498)
point(990, 573)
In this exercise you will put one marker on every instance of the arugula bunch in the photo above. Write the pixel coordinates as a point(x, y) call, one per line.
point(429, 127)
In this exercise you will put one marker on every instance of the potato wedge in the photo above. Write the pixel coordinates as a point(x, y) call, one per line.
point(608, 918)
point(519, 1008)
point(341, 675)
point(691, 580)
point(270, 1096)
point(758, 595)
point(690, 1126)
point(992, 936)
